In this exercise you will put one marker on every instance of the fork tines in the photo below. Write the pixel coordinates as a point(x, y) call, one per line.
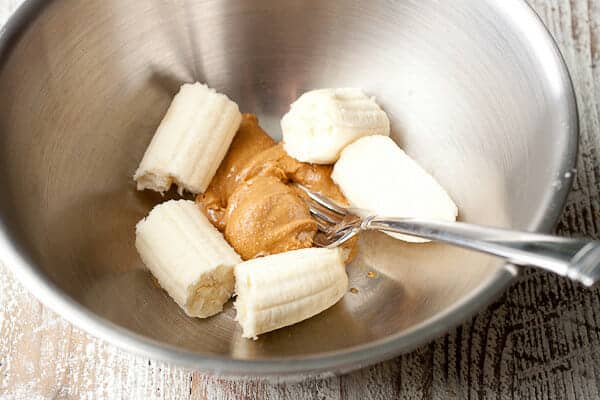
point(335, 223)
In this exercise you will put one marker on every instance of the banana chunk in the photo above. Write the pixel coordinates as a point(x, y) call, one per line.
point(286, 288)
point(190, 142)
point(322, 122)
point(189, 257)
point(378, 177)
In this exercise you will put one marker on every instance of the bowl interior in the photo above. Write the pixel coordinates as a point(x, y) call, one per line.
point(475, 90)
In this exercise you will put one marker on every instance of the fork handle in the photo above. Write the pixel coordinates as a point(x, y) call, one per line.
point(577, 259)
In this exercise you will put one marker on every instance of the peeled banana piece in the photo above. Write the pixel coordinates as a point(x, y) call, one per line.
point(322, 122)
point(190, 142)
point(188, 256)
point(286, 288)
point(376, 176)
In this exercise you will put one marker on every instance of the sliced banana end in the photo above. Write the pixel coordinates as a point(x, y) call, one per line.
point(153, 180)
point(208, 295)
point(161, 181)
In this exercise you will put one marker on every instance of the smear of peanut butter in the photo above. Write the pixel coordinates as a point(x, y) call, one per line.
point(251, 201)
point(265, 216)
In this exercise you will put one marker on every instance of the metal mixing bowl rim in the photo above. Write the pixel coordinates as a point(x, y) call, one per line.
point(342, 361)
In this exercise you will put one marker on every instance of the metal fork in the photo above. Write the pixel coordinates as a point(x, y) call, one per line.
point(577, 259)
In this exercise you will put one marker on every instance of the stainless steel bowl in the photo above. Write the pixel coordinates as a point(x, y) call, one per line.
point(476, 91)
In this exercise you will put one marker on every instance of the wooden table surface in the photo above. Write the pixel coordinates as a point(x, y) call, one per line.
point(540, 340)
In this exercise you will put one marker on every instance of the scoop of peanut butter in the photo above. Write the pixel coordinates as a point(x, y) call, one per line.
point(265, 216)
point(251, 201)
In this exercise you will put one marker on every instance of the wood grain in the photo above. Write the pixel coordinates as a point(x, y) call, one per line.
point(541, 340)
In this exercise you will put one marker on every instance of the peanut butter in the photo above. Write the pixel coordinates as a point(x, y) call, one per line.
point(265, 216)
point(251, 201)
